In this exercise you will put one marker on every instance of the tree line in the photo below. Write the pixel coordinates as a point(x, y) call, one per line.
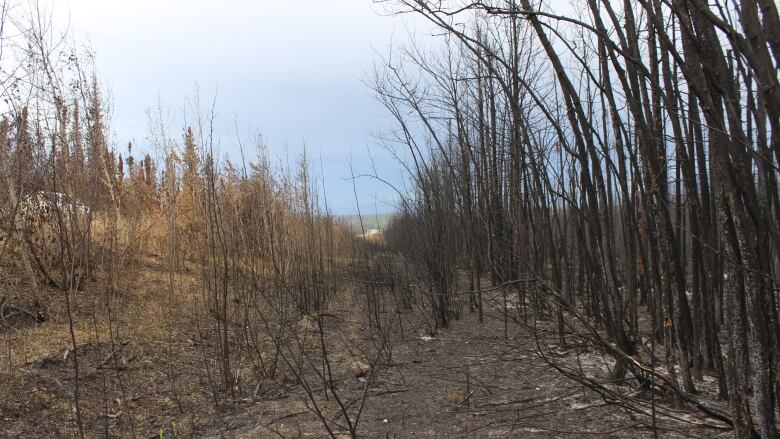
point(258, 238)
point(614, 165)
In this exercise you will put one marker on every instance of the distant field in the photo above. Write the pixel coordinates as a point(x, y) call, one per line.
point(370, 221)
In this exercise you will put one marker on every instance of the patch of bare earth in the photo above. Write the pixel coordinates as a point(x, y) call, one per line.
point(470, 381)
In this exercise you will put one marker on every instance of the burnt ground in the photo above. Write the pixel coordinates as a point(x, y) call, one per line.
point(467, 380)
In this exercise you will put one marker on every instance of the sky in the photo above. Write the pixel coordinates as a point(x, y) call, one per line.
point(294, 71)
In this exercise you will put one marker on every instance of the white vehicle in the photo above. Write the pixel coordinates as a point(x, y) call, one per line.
point(51, 202)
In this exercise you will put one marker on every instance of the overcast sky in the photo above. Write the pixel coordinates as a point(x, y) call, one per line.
point(292, 70)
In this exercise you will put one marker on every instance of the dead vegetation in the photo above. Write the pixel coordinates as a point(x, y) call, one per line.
point(545, 275)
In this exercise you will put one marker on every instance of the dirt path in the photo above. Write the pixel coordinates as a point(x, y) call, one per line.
point(467, 381)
